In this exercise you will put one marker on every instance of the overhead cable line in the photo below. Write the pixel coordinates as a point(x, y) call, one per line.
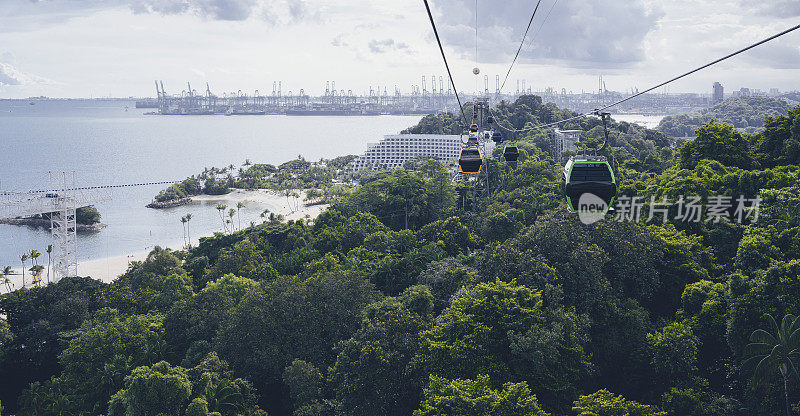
point(703, 67)
point(538, 126)
point(521, 44)
point(449, 74)
point(85, 188)
point(598, 111)
point(547, 16)
point(476, 32)
point(476, 46)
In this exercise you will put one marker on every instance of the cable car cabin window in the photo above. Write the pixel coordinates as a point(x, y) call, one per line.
point(590, 172)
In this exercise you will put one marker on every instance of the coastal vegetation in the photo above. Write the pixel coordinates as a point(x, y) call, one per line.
point(327, 179)
point(746, 114)
point(399, 300)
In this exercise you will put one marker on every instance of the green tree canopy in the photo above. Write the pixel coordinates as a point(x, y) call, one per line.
point(717, 142)
point(459, 397)
point(605, 403)
point(150, 391)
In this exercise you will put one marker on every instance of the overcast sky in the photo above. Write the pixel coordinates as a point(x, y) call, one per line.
point(82, 48)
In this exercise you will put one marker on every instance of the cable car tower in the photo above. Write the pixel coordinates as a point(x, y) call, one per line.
point(61, 200)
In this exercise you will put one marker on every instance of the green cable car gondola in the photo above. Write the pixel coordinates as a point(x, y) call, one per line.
point(470, 160)
point(589, 175)
point(511, 153)
point(497, 137)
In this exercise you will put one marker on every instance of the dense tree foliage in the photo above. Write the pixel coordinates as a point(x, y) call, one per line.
point(407, 296)
point(468, 397)
point(745, 113)
point(323, 180)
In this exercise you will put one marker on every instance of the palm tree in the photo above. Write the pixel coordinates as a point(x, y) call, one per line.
point(264, 214)
point(34, 256)
point(183, 223)
point(231, 213)
point(61, 405)
point(6, 281)
point(24, 258)
point(777, 349)
point(223, 398)
point(221, 209)
point(188, 235)
point(239, 206)
point(36, 270)
point(49, 251)
point(288, 192)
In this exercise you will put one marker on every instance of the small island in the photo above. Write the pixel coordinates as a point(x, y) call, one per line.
point(87, 219)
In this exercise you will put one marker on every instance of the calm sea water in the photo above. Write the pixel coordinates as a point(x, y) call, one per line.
point(111, 143)
point(649, 121)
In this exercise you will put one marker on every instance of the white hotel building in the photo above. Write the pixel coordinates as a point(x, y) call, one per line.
point(395, 150)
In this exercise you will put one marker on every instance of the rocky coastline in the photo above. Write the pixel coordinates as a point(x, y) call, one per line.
point(169, 204)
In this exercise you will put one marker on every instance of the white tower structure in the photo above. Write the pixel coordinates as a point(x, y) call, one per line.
point(61, 200)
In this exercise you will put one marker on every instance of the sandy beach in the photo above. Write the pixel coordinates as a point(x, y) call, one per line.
point(109, 268)
point(291, 209)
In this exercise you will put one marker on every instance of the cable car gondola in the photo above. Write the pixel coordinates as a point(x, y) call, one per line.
point(497, 137)
point(511, 153)
point(589, 175)
point(470, 160)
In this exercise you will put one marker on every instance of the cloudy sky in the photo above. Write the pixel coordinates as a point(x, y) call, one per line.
point(82, 48)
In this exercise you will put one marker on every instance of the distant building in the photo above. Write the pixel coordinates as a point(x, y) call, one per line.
point(718, 94)
point(774, 92)
point(566, 140)
point(744, 92)
point(395, 150)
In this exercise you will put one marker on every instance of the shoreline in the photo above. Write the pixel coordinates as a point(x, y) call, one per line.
point(107, 269)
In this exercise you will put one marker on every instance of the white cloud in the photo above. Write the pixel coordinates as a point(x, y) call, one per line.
point(386, 45)
point(11, 76)
point(117, 47)
point(584, 33)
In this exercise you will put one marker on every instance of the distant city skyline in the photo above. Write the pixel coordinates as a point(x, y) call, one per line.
point(94, 48)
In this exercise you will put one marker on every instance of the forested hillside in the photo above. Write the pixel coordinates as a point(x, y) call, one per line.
point(744, 113)
point(398, 300)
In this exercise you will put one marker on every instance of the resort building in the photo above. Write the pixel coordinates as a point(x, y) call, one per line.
point(395, 150)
